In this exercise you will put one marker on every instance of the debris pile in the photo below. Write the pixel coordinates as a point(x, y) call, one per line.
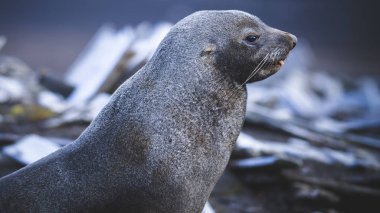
point(314, 136)
point(311, 140)
point(32, 102)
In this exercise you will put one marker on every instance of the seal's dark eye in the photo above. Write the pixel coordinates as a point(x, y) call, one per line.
point(251, 38)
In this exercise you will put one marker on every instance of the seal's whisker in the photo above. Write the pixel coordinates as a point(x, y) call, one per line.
point(270, 61)
point(269, 57)
point(257, 67)
point(278, 51)
point(275, 55)
point(256, 71)
point(272, 57)
point(261, 66)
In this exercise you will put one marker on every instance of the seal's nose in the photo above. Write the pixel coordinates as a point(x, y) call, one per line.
point(293, 39)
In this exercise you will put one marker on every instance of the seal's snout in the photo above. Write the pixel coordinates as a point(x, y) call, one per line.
point(293, 40)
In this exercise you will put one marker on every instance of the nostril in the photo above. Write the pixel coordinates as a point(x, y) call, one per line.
point(293, 40)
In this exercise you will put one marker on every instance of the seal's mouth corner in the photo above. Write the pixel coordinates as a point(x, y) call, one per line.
point(280, 61)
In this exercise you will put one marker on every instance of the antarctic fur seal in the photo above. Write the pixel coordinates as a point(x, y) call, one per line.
point(166, 135)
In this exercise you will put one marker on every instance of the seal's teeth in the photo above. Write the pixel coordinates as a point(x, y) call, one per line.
point(282, 62)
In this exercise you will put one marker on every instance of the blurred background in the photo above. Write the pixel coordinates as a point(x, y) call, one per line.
point(50, 34)
point(311, 138)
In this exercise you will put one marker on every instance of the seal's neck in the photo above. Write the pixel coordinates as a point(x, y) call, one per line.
point(194, 76)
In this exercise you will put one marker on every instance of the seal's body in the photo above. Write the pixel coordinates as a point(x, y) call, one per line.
point(165, 137)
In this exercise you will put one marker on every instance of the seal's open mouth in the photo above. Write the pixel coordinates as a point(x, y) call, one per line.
point(280, 61)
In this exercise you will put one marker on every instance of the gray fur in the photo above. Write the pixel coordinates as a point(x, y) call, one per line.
point(165, 137)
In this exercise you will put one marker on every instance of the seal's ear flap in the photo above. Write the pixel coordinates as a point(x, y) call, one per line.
point(208, 50)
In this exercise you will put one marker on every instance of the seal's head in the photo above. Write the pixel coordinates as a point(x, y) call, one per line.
point(237, 43)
